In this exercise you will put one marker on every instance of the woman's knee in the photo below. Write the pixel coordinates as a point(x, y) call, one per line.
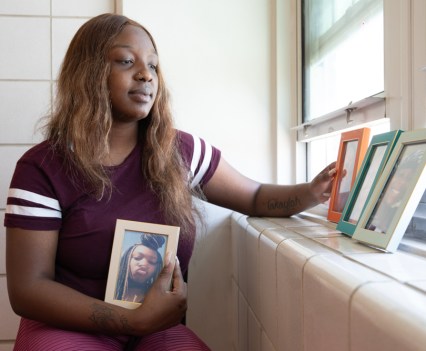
point(178, 338)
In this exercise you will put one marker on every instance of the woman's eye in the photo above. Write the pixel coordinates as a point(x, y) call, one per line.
point(153, 67)
point(126, 62)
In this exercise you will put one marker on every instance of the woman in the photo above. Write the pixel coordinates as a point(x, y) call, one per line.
point(111, 152)
point(139, 267)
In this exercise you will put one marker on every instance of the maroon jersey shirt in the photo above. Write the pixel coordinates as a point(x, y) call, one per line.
point(43, 196)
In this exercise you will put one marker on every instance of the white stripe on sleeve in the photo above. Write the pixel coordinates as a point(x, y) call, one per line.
point(32, 211)
point(204, 165)
point(34, 197)
point(196, 154)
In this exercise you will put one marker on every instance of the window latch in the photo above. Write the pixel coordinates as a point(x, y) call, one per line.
point(348, 114)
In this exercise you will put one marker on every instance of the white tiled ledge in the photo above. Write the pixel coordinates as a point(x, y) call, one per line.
point(401, 265)
point(302, 285)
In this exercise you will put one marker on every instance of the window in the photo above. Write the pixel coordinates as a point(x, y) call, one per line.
point(342, 54)
point(343, 73)
point(334, 98)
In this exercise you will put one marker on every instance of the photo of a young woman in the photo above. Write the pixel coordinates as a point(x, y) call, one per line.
point(395, 188)
point(140, 265)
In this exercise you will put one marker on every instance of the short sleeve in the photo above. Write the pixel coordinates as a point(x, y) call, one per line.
point(32, 202)
point(201, 158)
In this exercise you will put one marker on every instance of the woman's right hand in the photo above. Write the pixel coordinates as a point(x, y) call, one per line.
point(34, 293)
point(162, 308)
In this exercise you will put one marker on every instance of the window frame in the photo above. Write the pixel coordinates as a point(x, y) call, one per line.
point(350, 19)
point(403, 100)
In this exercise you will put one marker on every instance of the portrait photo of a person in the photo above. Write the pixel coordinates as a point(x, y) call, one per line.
point(394, 191)
point(140, 265)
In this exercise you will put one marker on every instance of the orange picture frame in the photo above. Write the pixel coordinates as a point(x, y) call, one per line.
point(352, 149)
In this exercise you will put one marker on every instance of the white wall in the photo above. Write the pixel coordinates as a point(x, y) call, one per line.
point(228, 70)
point(33, 40)
point(217, 61)
point(229, 75)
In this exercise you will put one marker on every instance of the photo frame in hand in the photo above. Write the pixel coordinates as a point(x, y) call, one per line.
point(375, 159)
point(138, 255)
point(396, 195)
point(352, 149)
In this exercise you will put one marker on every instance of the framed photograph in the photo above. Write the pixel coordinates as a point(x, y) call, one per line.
point(375, 159)
point(352, 149)
point(396, 195)
point(138, 255)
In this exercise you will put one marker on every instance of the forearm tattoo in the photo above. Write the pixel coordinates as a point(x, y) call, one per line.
point(286, 205)
point(107, 319)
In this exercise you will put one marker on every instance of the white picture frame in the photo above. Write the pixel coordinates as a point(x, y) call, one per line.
point(396, 195)
point(374, 162)
point(138, 255)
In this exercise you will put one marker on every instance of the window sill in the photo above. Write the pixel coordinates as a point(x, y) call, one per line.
point(296, 275)
point(318, 215)
point(407, 265)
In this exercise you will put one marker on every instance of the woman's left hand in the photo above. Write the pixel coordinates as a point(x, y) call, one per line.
point(321, 185)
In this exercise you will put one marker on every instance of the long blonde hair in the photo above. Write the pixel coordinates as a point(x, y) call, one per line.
point(81, 121)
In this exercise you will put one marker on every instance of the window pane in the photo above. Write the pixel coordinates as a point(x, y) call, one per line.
point(323, 151)
point(342, 53)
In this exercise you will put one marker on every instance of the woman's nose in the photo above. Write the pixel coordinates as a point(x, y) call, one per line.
point(143, 75)
point(143, 262)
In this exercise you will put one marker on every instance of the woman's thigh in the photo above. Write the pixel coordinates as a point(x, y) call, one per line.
point(178, 338)
point(35, 336)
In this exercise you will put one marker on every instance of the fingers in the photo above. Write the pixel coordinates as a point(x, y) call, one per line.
point(332, 172)
point(170, 278)
point(165, 275)
point(165, 304)
point(179, 285)
point(331, 169)
point(327, 174)
point(322, 183)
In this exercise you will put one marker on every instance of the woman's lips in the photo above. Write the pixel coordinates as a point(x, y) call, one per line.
point(142, 272)
point(141, 95)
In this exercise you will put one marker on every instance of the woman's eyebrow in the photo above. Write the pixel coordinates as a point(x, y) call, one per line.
point(125, 46)
point(128, 46)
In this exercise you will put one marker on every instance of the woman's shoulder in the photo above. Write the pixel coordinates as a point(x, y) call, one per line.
point(185, 138)
point(42, 155)
point(43, 148)
point(185, 143)
point(189, 141)
point(201, 158)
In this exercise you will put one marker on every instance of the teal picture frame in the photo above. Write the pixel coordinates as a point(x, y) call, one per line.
point(375, 160)
point(396, 195)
